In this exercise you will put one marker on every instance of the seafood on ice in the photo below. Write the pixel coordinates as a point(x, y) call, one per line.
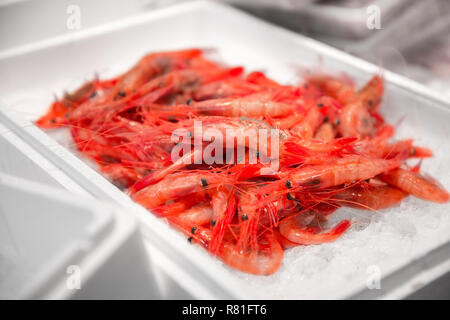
point(243, 165)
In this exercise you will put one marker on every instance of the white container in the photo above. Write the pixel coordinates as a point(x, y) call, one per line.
point(146, 278)
point(19, 159)
point(54, 245)
point(393, 239)
point(27, 21)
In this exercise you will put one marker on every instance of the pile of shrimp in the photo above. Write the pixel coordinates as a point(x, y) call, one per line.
point(335, 150)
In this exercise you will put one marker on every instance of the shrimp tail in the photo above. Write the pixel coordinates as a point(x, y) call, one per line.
point(295, 153)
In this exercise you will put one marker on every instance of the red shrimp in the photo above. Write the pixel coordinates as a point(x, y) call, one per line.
point(260, 79)
point(340, 171)
point(284, 242)
point(122, 177)
point(161, 174)
point(224, 89)
point(180, 205)
point(356, 119)
point(152, 91)
point(370, 198)
point(197, 215)
point(249, 214)
point(287, 122)
point(325, 132)
point(416, 185)
point(334, 87)
point(254, 105)
point(175, 186)
point(307, 127)
point(153, 65)
point(291, 229)
point(224, 203)
point(60, 110)
point(264, 260)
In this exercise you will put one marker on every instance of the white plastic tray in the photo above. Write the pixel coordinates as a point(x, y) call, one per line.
point(148, 276)
point(19, 159)
point(390, 242)
point(56, 245)
point(20, 23)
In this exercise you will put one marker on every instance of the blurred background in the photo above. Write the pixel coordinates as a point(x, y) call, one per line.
point(410, 37)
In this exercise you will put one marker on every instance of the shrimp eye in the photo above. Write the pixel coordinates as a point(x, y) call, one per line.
point(189, 239)
point(299, 206)
point(213, 223)
point(120, 94)
point(188, 101)
point(290, 196)
point(320, 104)
point(244, 217)
point(193, 230)
point(93, 94)
point(204, 182)
point(288, 184)
point(326, 119)
point(338, 122)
